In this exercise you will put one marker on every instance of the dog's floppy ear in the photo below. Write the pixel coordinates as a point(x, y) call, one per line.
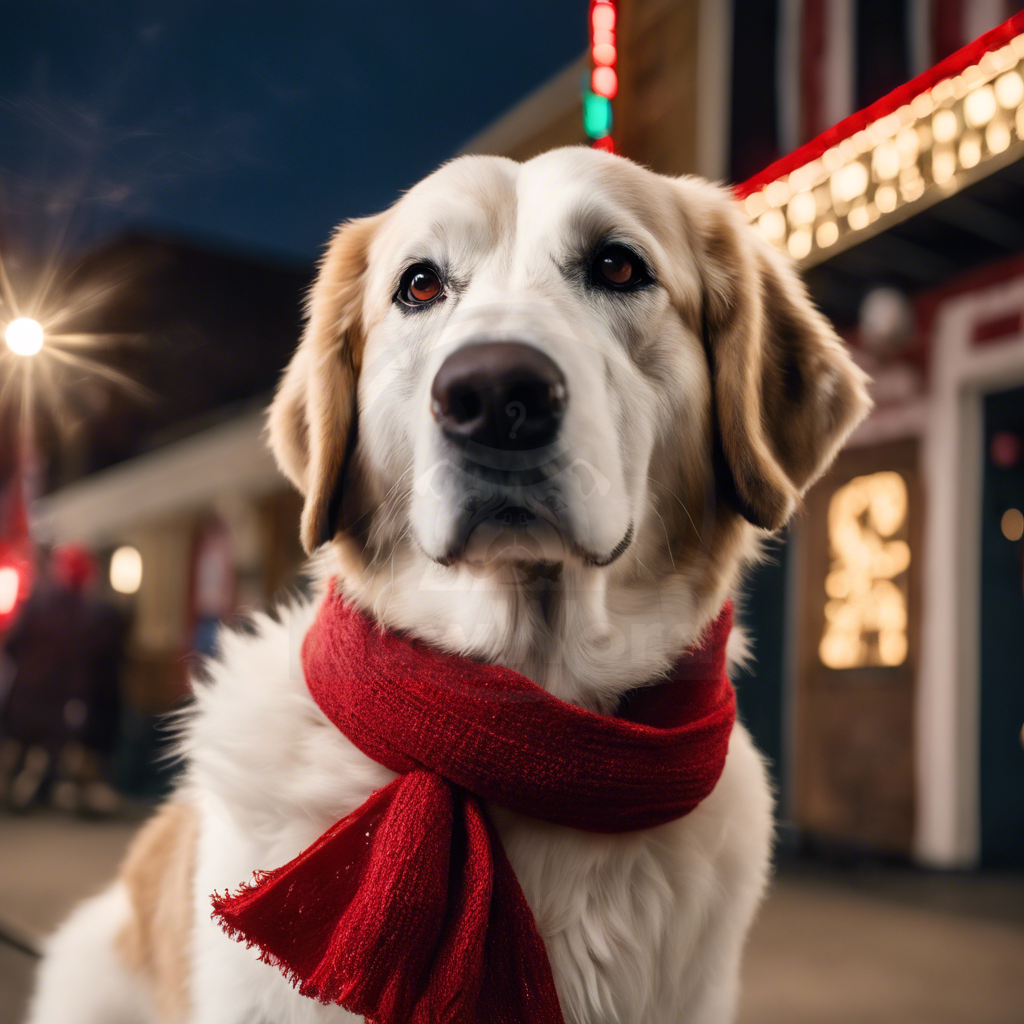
point(313, 413)
point(786, 393)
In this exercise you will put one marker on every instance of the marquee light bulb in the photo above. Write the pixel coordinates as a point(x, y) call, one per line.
point(980, 107)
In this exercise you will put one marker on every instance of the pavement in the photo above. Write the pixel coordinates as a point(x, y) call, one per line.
point(832, 945)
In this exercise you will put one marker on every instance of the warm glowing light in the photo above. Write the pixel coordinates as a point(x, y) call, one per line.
point(126, 570)
point(827, 234)
point(10, 583)
point(849, 182)
point(605, 82)
point(755, 204)
point(803, 208)
point(606, 143)
point(1012, 525)
point(944, 126)
point(886, 198)
point(912, 189)
point(1009, 89)
point(866, 609)
point(859, 217)
point(970, 150)
point(886, 161)
point(943, 165)
point(922, 105)
point(997, 137)
point(777, 193)
point(799, 244)
point(907, 146)
point(604, 53)
point(919, 149)
point(980, 106)
point(773, 225)
point(24, 336)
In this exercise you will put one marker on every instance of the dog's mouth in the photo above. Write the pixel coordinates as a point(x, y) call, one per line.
point(537, 531)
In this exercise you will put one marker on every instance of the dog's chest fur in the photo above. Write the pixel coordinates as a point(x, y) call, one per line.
point(636, 925)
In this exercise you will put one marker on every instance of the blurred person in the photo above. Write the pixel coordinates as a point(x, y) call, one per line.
point(59, 723)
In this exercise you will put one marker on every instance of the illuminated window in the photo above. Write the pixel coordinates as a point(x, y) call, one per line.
point(866, 586)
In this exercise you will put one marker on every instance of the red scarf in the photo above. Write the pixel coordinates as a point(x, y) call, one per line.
point(408, 911)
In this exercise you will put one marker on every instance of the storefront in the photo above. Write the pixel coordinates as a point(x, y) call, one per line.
point(888, 692)
point(903, 693)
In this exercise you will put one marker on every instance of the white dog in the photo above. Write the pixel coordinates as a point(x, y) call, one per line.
point(542, 412)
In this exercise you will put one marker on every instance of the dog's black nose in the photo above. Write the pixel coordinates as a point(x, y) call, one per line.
point(499, 394)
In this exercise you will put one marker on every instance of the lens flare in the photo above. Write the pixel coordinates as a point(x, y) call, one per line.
point(24, 336)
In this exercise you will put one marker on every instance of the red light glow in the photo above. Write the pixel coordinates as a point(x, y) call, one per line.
point(602, 18)
point(605, 82)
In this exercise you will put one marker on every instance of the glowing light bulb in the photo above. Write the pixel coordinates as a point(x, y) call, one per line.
point(970, 150)
point(799, 244)
point(997, 137)
point(24, 336)
point(773, 226)
point(827, 234)
point(885, 198)
point(126, 570)
point(605, 82)
point(802, 209)
point(886, 161)
point(10, 583)
point(980, 107)
point(1009, 90)
point(1012, 525)
point(603, 17)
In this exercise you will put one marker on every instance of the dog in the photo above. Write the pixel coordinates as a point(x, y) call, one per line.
point(543, 415)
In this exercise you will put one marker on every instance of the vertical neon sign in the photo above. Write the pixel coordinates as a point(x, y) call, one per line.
point(604, 78)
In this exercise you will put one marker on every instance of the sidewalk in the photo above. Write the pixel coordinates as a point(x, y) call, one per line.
point(873, 946)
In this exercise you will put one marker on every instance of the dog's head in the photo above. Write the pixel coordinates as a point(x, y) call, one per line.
point(570, 361)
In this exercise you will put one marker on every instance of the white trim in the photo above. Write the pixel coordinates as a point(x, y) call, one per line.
point(947, 705)
point(714, 73)
point(555, 98)
point(891, 424)
point(190, 474)
point(840, 52)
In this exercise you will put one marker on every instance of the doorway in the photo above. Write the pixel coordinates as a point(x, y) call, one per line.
point(1001, 756)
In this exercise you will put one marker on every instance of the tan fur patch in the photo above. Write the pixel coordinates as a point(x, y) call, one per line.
point(314, 409)
point(786, 394)
point(158, 873)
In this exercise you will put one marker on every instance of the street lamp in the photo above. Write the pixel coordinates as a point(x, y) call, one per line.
point(24, 336)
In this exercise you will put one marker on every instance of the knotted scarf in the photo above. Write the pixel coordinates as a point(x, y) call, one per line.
point(407, 911)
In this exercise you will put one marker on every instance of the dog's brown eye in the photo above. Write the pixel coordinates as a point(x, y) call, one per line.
point(617, 268)
point(420, 284)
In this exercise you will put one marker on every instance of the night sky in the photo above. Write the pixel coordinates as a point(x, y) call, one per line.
point(253, 125)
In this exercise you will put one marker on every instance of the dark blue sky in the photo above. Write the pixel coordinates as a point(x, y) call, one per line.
point(258, 125)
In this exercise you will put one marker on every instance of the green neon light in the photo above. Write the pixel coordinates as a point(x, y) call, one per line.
point(597, 115)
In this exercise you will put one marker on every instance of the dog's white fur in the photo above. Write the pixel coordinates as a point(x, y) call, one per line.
point(641, 928)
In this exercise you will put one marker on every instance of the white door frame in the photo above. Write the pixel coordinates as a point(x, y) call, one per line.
point(947, 705)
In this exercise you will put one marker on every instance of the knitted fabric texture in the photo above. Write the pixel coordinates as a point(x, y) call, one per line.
point(407, 911)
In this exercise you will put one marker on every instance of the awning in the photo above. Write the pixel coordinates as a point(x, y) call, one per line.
point(912, 191)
